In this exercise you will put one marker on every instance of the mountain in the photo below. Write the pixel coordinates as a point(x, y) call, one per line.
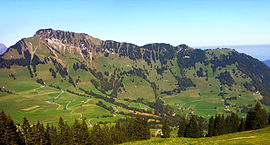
point(78, 76)
point(267, 62)
point(3, 48)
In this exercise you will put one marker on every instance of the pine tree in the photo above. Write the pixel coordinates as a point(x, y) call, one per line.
point(80, 133)
point(76, 134)
point(269, 118)
point(234, 123)
point(200, 126)
point(251, 120)
point(138, 128)
point(38, 134)
point(192, 129)
point(11, 136)
point(242, 125)
point(47, 135)
point(61, 123)
point(26, 131)
point(54, 137)
point(261, 114)
point(84, 133)
point(228, 124)
point(211, 126)
point(182, 127)
point(119, 133)
point(107, 139)
point(256, 118)
point(65, 133)
point(96, 135)
point(223, 123)
point(3, 120)
point(165, 129)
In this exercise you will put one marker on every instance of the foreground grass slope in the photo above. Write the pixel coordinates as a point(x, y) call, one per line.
point(260, 137)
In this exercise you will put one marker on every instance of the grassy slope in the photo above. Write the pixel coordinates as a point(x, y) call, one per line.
point(260, 137)
point(200, 99)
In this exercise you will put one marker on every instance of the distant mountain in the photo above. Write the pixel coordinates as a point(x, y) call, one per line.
point(267, 62)
point(76, 75)
point(3, 48)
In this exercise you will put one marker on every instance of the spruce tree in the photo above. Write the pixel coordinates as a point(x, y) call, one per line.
point(65, 133)
point(96, 135)
point(85, 133)
point(242, 125)
point(182, 127)
point(200, 126)
point(76, 133)
point(26, 131)
point(165, 129)
point(256, 118)
point(11, 136)
point(219, 126)
point(227, 124)
point(138, 128)
point(119, 133)
point(107, 139)
point(261, 114)
point(3, 120)
point(47, 135)
point(211, 126)
point(268, 118)
point(54, 137)
point(192, 129)
point(223, 125)
point(251, 120)
point(234, 123)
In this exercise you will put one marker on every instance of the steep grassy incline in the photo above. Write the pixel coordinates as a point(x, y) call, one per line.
point(124, 78)
point(256, 137)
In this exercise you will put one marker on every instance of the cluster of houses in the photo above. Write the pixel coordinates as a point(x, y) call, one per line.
point(180, 107)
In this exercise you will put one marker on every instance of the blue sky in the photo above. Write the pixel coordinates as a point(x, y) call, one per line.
point(193, 22)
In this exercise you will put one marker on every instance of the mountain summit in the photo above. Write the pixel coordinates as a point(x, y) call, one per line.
point(120, 78)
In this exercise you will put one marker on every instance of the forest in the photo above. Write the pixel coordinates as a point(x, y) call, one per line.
point(127, 130)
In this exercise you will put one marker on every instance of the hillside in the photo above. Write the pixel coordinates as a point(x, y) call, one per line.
point(267, 62)
point(74, 75)
point(260, 136)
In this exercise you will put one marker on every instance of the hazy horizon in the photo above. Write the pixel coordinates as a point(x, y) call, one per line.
point(195, 23)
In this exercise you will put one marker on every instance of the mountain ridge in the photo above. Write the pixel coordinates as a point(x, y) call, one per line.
point(165, 79)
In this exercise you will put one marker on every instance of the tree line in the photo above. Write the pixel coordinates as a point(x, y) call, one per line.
point(256, 118)
point(132, 129)
point(217, 125)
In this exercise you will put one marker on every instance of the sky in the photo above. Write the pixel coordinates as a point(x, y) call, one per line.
point(196, 23)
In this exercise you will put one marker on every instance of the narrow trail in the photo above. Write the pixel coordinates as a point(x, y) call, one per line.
point(59, 106)
point(58, 95)
point(38, 88)
point(67, 105)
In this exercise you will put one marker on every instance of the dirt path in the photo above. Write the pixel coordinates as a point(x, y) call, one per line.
point(60, 107)
point(58, 95)
point(67, 105)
